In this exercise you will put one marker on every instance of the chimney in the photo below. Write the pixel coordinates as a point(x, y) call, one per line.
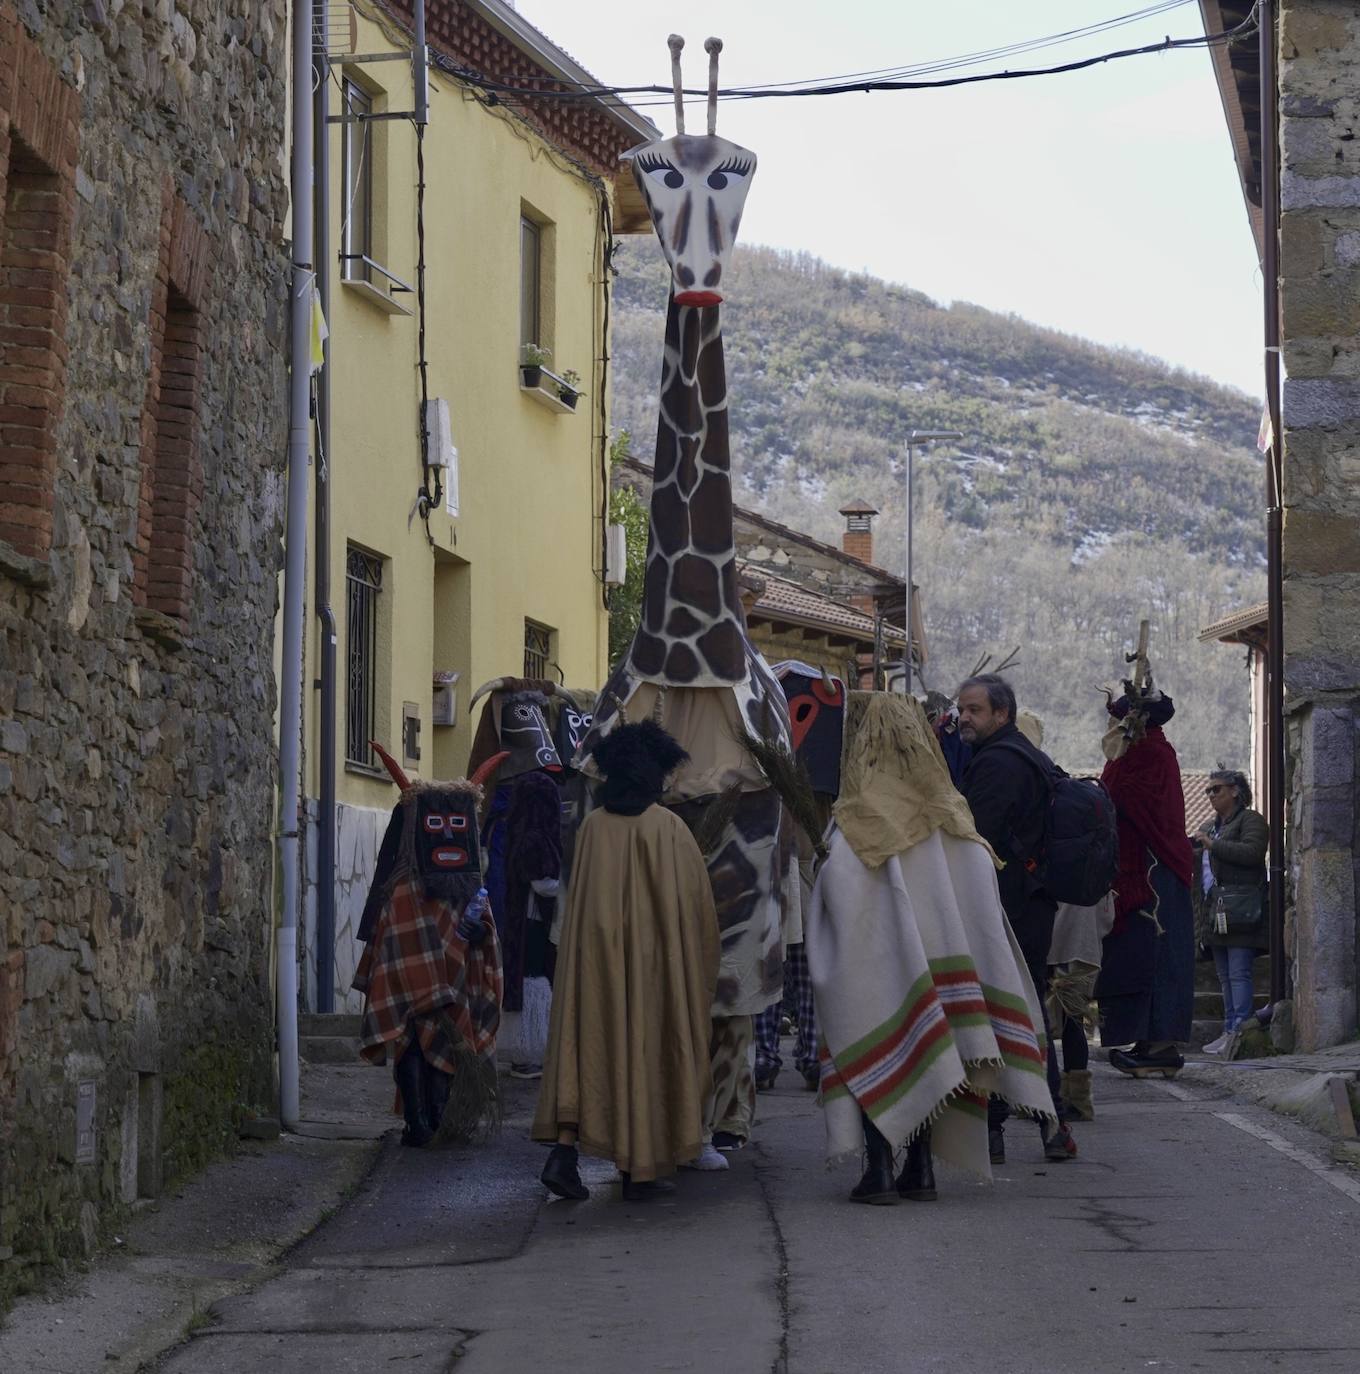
point(858, 538)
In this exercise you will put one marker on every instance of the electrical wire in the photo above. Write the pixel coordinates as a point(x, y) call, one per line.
point(506, 92)
point(428, 501)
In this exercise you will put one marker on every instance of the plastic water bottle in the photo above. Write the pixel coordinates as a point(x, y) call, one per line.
point(472, 928)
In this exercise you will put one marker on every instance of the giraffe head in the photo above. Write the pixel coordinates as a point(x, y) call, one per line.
point(695, 187)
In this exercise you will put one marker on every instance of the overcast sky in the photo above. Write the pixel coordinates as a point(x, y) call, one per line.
point(1103, 202)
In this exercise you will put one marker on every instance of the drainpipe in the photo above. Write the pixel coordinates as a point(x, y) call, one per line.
point(295, 564)
point(325, 821)
point(1270, 270)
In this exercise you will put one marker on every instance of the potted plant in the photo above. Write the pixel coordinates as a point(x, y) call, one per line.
point(570, 389)
point(532, 360)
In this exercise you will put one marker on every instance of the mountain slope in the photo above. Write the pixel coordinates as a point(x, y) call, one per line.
point(1092, 486)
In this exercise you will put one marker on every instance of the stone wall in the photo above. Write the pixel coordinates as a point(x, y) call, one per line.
point(1320, 295)
point(143, 314)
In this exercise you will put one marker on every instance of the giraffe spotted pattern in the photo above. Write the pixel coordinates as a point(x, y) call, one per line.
point(692, 632)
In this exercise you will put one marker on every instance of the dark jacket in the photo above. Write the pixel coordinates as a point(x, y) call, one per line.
point(1009, 797)
point(1237, 858)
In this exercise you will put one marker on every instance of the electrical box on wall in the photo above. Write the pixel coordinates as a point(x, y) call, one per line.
point(440, 448)
point(616, 556)
point(410, 732)
point(445, 698)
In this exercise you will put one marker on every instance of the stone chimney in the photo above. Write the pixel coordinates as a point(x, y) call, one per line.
point(858, 538)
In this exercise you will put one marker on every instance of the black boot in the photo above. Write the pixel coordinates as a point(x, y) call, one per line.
point(917, 1180)
point(562, 1175)
point(437, 1084)
point(410, 1076)
point(645, 1190)
point(876, 1187)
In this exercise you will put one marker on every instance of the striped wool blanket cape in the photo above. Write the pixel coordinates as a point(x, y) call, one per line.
point(420, 978)
point(923, 1002)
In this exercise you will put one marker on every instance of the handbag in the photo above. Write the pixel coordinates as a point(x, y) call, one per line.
point(1238, 910)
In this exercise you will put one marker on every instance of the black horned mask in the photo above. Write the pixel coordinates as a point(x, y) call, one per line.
point(817, 715)
point(526, 737)
point(446, 852)
point(573, 724)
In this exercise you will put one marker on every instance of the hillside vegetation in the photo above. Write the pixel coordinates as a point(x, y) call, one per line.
point(1093, 486)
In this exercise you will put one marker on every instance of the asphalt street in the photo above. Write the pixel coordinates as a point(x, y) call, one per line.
point(1192, 1233)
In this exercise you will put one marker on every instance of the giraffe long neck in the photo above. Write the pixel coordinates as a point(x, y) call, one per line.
point(693, 632)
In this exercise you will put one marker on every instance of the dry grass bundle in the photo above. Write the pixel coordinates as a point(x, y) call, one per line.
point(712, 822)
point(788, 775)
point(474, 1107)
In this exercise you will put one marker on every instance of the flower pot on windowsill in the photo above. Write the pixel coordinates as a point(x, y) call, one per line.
point(568, 397)
point(531, 373)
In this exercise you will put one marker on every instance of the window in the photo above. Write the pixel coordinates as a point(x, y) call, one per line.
point(530, 282)
point(538, 650)
point(172, 465)
point(363, 582)
point(39, 119)
point(356, 242)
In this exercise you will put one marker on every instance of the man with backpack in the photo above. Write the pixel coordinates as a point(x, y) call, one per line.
point(1009, 789)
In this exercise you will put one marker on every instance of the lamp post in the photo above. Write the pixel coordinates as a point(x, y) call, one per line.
point(918, 438)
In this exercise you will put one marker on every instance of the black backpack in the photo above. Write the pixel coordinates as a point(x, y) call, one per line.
point(1078, 856)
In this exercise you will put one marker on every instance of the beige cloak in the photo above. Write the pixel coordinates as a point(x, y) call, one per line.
point(627, 1061)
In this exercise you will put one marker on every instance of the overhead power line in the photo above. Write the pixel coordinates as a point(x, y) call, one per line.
point(897, 79)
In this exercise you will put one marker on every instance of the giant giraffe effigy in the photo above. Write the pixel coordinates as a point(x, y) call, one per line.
point(692, 666)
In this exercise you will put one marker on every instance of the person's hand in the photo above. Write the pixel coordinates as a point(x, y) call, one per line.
point(471, 932)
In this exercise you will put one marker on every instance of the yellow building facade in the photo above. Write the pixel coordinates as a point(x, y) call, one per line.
point(489, 560)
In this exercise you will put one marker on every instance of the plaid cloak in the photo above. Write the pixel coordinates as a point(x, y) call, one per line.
point(419, 977)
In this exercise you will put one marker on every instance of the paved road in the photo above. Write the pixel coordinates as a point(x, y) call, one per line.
point(1181, 1239)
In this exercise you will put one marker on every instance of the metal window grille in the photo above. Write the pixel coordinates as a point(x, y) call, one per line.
point(357, 178)
point(530, 282)
point(363, 578)
point(537, 650)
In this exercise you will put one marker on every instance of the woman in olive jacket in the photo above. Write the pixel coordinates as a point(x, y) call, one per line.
point(1231, 851)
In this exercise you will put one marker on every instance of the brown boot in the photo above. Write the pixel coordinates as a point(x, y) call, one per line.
point(1076, 1091)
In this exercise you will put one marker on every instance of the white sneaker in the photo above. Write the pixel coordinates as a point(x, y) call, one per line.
point(1217, 1046)
point(709, 1161)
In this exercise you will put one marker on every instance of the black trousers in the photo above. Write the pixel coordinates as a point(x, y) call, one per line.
point(1033, 926)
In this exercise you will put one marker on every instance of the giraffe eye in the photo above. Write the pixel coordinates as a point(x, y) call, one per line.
point(663, 170)
point(733, 167)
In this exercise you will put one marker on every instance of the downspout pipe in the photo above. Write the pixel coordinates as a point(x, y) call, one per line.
point(325, 613)
point(295, 566)
point(1270, 271)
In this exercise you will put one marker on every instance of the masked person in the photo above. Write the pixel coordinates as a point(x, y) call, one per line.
point(1146, 988)
point(430, 972)
point(627, 1073)
point(924, 1004)
point(817, 716)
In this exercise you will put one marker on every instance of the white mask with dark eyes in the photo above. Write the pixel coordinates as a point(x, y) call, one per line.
point(695, 187)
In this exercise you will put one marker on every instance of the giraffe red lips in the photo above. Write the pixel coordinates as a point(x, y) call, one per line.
point(698, 298)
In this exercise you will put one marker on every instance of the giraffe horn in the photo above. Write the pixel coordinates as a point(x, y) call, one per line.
point(677, 46)
point(398, 776)
point(713, 46)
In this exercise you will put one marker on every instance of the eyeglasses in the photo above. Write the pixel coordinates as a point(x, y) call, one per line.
point(1219, 787)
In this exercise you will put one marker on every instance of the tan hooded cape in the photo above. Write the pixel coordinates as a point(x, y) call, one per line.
point(627, 1061)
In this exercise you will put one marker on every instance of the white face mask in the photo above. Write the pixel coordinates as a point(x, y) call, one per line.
point(1114, 744)
point(695, 187)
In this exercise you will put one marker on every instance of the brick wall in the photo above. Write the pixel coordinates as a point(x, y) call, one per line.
point(172, 469)
point(38, 138)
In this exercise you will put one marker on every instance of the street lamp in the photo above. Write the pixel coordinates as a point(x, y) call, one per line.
point(918, 438)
